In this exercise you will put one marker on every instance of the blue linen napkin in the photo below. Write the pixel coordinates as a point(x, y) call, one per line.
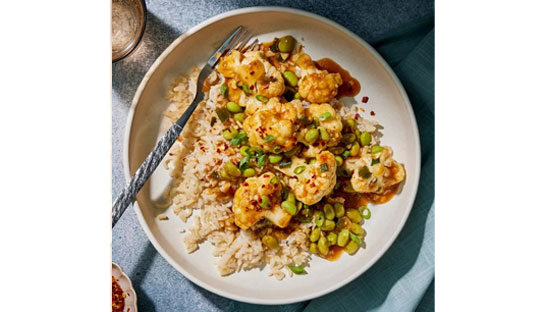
point(403, 279)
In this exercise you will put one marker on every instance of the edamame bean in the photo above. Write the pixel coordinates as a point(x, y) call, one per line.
point(313, 248)
point(343, 238)
point(249, 172)
point(329, 212)
point(350, 123)
point(270, 242)
point(290, 78)
point(227, 135)
point(323, 246)
point(349, 138)
point(328, 225)
point(357, 229)
point(286, 44)
point(324, 134)
point(289, 207)
point(339, 161)
point(274, 159)
point(315, 234)
point(232, 170)
point(233, 107)
point(354, 215)
point(332, 238)
point(239, 117)
point(339, 209)
point(290, 198)
point(376, 149)
point(355, 149)
point(344, 223)
point(352, 247)
point(312, 135)
point(365, 138)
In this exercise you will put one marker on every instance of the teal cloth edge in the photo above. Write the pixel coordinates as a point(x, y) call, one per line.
point(403, 279)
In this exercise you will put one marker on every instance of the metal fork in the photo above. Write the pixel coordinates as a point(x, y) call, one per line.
point(236, 41)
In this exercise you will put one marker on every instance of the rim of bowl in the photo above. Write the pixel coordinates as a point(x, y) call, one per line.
point(127, 173)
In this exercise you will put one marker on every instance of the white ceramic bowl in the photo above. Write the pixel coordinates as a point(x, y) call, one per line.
point(130, 302)
point(322, 38)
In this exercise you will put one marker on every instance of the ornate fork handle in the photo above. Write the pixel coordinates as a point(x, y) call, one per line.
point(151, 162)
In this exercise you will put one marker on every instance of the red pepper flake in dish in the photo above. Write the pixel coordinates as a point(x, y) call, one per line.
point(365, 99)
point(372, 113)
point(118, 296)
point(356, 116)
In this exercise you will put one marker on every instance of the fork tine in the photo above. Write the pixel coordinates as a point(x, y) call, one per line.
point(251, 46)
point(226, 44)
point(244, 42)
point(236, 41)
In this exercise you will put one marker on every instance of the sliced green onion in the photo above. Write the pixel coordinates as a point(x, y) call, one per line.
point(261, 160)
point(256, 149)
point(324, 134)
point(224, 90)
point(241, 135)
point(319, 218)
point(305, 121)
point(236, 141)
point(244, 163)
point(291, 152)
point(244, 151)
point(284, 164)
point(277, 149)
point(290, 207)
point(364, 172)
point(346, 154)
point(297, 96)
point(376, 149)
point(298, 269)
point(375, 161)
point(366, 213)
point(269, 138)
point(261, 98)
point(246, 89)
point(223, 114)
point(324, 167)
point(274, 180)
point(325, 116)
point(355, 238)
point(213, 121)
point(299, 169)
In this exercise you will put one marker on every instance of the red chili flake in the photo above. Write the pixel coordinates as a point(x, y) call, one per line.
point(246, 184)
point(309, 180)
point(365, 99)
point(251, 87)
point(170, 154)
point(312, 184)
point(372, 113)
point(356, 116)
point(313, 177)
point(252, 72)
point(218, 150)
point(263, 186)
point(266, 175)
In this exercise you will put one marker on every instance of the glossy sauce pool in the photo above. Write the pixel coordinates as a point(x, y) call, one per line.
point(350, 87)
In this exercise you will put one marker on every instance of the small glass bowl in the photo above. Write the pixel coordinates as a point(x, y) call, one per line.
point(128, 21)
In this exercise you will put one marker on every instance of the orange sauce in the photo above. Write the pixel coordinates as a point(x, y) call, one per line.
point(334, 253)
point(350, 87)
point(384, 197)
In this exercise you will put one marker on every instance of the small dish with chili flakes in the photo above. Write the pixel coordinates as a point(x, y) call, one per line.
point(124, 298)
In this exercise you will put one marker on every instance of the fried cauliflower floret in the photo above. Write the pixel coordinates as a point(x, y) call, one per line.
point(332, 125)
point(319, 87)
point(312, 184)
point(254, 71)
point(372, 176)
point(274, 125)
point(247, 202)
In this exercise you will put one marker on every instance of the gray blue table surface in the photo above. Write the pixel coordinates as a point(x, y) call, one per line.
point(388, 286)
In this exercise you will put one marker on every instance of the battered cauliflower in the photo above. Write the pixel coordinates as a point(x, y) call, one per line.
point(332, 126)
point(319, 87)
point(250, 69)
point(274, 126)
point(316, 86)
point(315, 181)
point(248, 202)
point(374, 173)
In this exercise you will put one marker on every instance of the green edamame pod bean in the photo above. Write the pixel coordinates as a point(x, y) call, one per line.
point(315, 234)
point(339, 209)
point(343, 238)
point(354, 215)
point(232, 170)
point(323, 246)
point(352, 247)
point(357, 229)
point(328, 225)
point(332, 238)
point(329, 212)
